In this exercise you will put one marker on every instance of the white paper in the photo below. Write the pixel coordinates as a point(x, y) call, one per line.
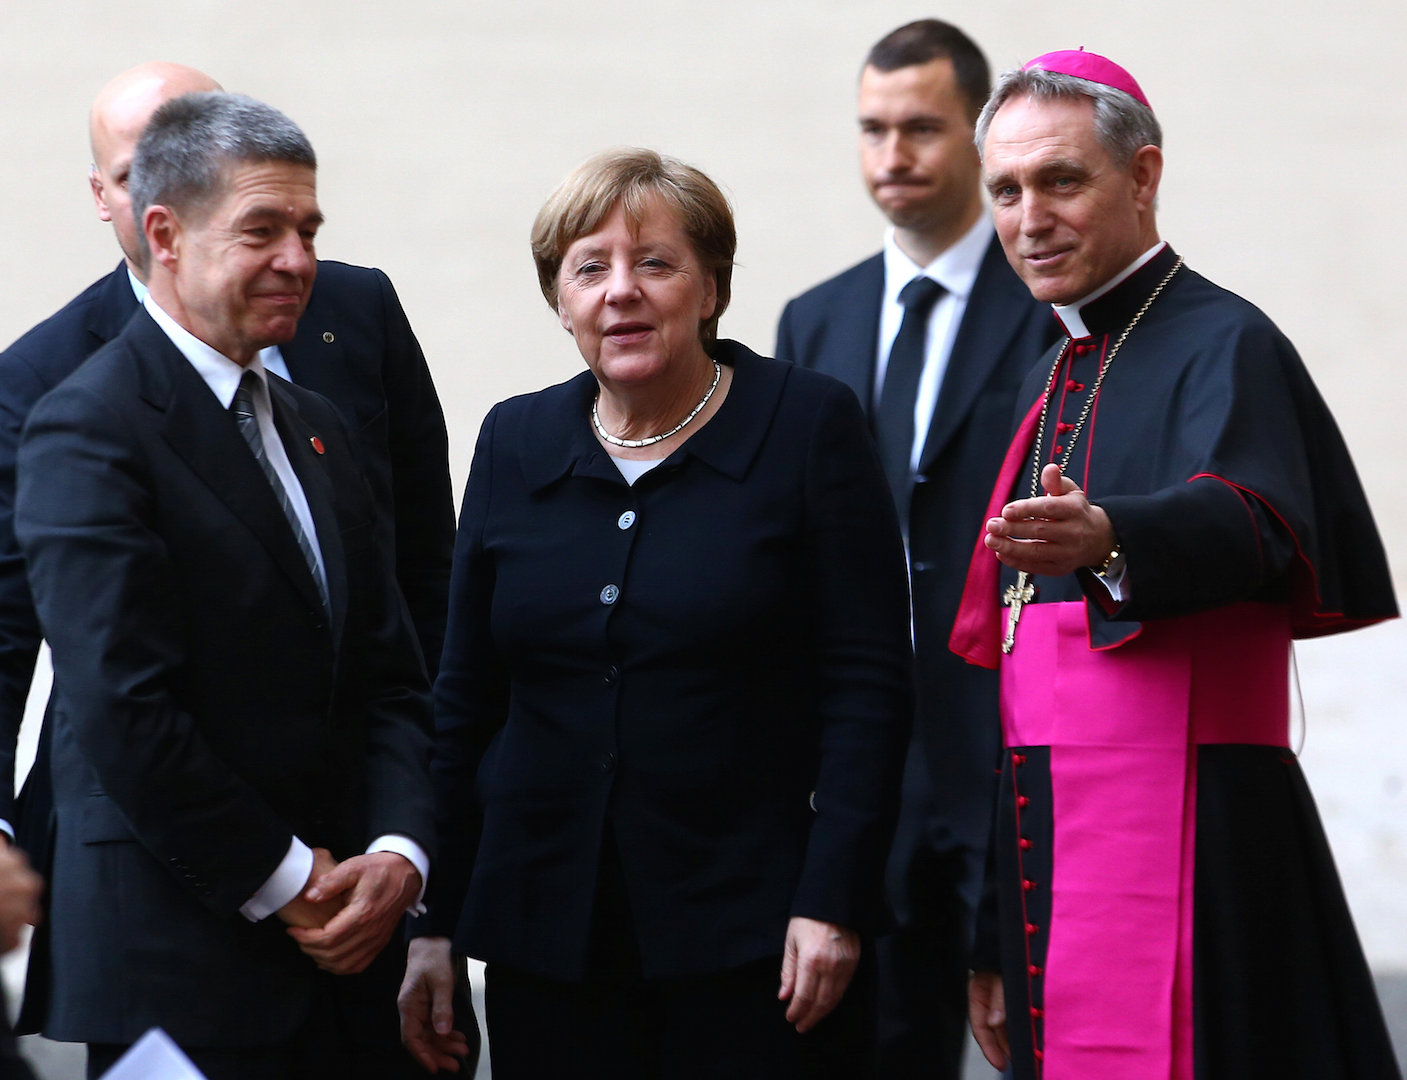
point(154, 1057)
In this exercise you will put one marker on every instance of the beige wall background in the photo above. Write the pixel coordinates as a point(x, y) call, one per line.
point(442, 125)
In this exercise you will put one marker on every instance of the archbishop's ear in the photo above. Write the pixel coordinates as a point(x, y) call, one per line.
point(1146, 169)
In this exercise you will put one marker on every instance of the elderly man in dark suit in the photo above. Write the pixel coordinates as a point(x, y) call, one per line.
point(240, 715)
point(934, 334)
point(354, 345)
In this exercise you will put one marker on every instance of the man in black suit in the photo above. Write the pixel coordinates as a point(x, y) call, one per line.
point(354, 345)
point(938, 368)
point(240, 715)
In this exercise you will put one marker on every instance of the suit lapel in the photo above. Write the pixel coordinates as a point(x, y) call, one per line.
point(308, 463)
point(853, 346)
point(207, 438)
point(986, 332)
point(114, 309)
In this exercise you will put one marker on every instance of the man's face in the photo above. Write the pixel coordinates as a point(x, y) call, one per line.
point(1068, 217)
point(119, 116)
point(242, 268)
point(916, 149)
point(114, 142)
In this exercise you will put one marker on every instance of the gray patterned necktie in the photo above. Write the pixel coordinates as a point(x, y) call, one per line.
point(243, 409)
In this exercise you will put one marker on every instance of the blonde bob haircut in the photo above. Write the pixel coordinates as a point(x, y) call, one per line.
point(633, 178)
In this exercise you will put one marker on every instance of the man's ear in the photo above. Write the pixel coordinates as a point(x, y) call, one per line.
point(95, 185)
point(163, 232)
point(1147, 172)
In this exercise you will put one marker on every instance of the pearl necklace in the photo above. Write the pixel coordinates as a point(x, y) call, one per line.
point(635, 444)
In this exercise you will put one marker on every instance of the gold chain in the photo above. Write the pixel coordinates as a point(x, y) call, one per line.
point(1094, 392)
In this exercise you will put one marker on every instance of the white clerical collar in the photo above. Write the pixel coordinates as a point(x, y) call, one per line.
point(1070, 314)
point(955, 269)
point(220, 373)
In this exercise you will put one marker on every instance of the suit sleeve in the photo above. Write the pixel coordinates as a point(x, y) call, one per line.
point(20, 388)
point(855, 562)
point(103, 586)
point(471, 698)
point(424, 504)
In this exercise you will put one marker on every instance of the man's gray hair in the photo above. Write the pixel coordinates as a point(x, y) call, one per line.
point(1121, 124)
point(184, 156)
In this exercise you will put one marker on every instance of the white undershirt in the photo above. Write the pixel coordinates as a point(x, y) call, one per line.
point(632, 469)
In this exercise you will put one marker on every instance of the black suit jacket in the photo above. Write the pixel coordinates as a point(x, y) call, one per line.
point(834, 328)
point(713, 664)
point(206, 708)
point(355, 346)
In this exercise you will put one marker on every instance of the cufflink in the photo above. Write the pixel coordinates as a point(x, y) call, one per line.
point(317, 445)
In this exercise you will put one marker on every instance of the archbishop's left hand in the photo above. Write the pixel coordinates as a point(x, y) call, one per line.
point(817, 964)
point(378, 888)
point(1052, 534)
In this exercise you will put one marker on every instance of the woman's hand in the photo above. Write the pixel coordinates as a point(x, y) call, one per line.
point(986, 1010)
point(426, 1004)
point(817, 964)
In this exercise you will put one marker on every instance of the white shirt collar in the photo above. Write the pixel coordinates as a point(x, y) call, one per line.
point(1069, 314)
point(955, 269)
point(220, 373)
point(138, 289)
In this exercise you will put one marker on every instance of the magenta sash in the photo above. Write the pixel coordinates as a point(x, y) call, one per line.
point(1123, 726)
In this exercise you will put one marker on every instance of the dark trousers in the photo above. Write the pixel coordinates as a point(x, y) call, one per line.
point(922, 963)
point(721, 1026)
point(619, 1025)
point(352, 1032)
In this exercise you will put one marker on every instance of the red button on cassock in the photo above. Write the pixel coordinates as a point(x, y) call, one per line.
point(1028, 885)
point(1034, 971)
point(1037, 1013)
point(1031, 928)
point(1020, 759)
point(1039, 1055)
point(1025, 844)
point(1022, 801)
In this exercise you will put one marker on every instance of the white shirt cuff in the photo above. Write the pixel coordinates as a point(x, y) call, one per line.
point(7, 828)
point(283, 885)
point(1113, 581)
point(404, 845)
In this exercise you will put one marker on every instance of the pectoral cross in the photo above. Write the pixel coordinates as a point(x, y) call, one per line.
point(1016, 597)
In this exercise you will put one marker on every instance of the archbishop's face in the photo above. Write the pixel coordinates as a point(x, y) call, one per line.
point(1069, 218)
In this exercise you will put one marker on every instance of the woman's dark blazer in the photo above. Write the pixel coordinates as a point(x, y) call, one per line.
point(715, 661)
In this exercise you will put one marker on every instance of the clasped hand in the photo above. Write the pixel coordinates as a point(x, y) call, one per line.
point(349, 910)
point(1052, 534)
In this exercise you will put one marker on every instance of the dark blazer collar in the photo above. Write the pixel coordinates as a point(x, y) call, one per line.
point(559, 418)
point(207, 439)
point(990, 320)
point(115, 306)
point(856, 333)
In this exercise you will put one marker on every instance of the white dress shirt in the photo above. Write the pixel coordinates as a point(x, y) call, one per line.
point(956, 270)
point(222, 375)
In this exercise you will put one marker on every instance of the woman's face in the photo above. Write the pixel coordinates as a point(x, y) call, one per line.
point(634, 300)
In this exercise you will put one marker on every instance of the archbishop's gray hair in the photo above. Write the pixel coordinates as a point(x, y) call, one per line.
point(184, 156)
point(1121, 124)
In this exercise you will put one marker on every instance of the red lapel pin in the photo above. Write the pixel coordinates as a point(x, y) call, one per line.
point(317, 444)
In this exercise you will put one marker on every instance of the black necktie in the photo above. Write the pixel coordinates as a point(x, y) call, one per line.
point(243, 409)
point(894, 417)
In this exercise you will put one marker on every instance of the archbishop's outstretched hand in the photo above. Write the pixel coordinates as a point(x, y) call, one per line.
point(1051, 534)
